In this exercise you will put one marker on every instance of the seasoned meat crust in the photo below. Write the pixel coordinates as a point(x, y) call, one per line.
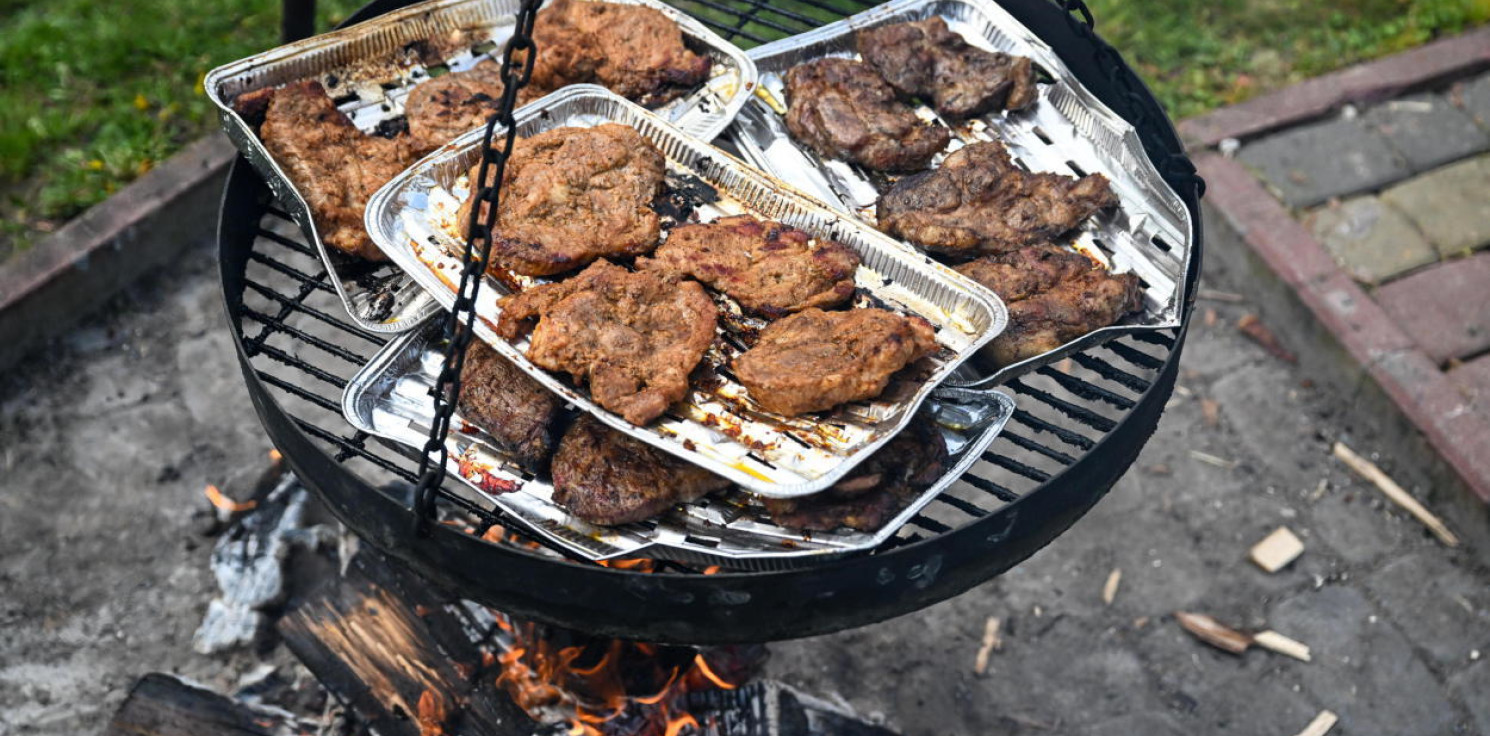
point(605, 477)
point(874, 491)
point(572, 195)
point(816, 360)
point(443, 108)
point(928, 60)
point(507, 404)
point(634, 51)
point(1054, 296)
point(843, 110)
point(635, 336)
point(979, 202)
point(770, 268)
point(335, 166)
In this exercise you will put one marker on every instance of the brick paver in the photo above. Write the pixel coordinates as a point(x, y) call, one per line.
point(1444, 308)
point(1371, 241)
point(1451, 206)
point(1309, 165)
point(1475, 96)
point(1427, 130)
point(1473, 380)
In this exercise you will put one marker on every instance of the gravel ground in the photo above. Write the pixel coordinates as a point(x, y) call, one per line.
point(109, 437)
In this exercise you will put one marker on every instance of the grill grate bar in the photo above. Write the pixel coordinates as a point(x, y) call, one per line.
point(299, 306)
point(1084, 389)
point(728, 31)
point(990, 487)
point(1162, 339)
point(1111, 372)
point(1034, 446)
point(342, 443)
point(1079, 413)
point(1061, 433)
point(1014, 466)
point(318, 283)
point(1135, 356)
point(310, 370)
point(300, 334)
point(961, 504)
point(930, 524)
point(294, 390)
point(294, 245)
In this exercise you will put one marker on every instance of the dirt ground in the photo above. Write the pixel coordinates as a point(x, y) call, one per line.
point(109, 438)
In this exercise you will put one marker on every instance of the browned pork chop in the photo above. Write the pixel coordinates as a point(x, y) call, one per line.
point(770, 268)
point(605, 477)
point(979, 202)
point(926, 59)
point(816, 360)
point(507, 404)
point(632, 50)
point(843, 110)
point(634, 336)
point(443, 108)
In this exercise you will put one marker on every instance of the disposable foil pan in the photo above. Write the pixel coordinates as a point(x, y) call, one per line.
point(390, 398)
point(1068, 131)
point(370, 68)
point(716, 427)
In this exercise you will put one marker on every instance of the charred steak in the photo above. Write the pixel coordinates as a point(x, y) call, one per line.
point(816, 360)
point(634, 51)
point(1054, 296)
point(979, 202)
point(634, 336)
point(928, 60)
point(874, 491)
point(605, 477)
point(572, 195)
point(770, 268)
point(843, 110)
point(335, 166)
point(443, 108)
point(507, 404)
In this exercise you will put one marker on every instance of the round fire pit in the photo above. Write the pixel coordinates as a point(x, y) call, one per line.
point(1078, 427)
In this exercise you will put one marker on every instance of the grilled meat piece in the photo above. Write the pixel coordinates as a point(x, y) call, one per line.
point(770, 268)
point(572, 195)
point(635, 336)
point(605, 477)
point(634, 51)
point(979, 202)
point(1054, 296)
point(874, 491)
point(507, 404)
point(928, 60)
point(335, 166)
point(443, 108)
point(843, 110)
point(816, 360)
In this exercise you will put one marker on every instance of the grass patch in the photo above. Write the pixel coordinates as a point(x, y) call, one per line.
point(94, 94)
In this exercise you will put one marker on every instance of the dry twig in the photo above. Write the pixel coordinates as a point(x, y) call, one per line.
point(1321, 724)
point(1110, 589)
point(991, 642)
point(1368, 470)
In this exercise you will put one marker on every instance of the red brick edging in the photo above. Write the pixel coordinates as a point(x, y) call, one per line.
point(1423, 393)
point(1369, 82)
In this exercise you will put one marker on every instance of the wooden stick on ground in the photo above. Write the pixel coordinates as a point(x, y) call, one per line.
point(1321, 724)
point(991, 641)
point(1368, 470)
point(1109, 591)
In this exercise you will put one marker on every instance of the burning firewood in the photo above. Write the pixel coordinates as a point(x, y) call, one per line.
point(164, 705)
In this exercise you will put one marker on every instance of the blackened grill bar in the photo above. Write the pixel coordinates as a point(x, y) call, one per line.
point(1076, 430)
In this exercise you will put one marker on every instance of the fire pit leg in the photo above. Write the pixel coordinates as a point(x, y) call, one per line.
point(297, 20)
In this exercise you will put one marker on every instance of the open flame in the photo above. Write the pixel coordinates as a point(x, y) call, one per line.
point(605, 687)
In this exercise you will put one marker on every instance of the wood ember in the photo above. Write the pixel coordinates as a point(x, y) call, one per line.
point(1276, 642)
point(1368, 470)
point(402, 673)
point(164, 705)
point(1110, 588)
point(248, 562)
point(1252, 327)
point(1321, 724)
point(1213, 632)
point(1277, 550)
point(992, 642)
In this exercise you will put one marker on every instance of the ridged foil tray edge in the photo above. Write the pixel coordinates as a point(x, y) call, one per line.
point(1113, 138)
point(685, 534)
point(594, 104)
point(378, 39)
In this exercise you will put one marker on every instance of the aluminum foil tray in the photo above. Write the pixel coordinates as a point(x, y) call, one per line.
point(717, 427)
point(390, 398)
point(370, 69)
point(1067, 131)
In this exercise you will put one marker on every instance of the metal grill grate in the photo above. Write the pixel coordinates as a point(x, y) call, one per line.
point(305, 353)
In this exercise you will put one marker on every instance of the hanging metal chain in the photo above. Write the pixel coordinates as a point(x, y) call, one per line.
point(517, 69)
point(1174, 166)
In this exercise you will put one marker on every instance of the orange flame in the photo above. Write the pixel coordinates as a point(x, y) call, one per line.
point(703, 667)
point(675, 726)
point(227, 504)
point(431, 714)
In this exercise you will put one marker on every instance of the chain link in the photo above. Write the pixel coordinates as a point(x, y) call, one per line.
point(460, 322)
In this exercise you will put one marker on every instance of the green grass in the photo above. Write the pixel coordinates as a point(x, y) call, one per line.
point(93, 94)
